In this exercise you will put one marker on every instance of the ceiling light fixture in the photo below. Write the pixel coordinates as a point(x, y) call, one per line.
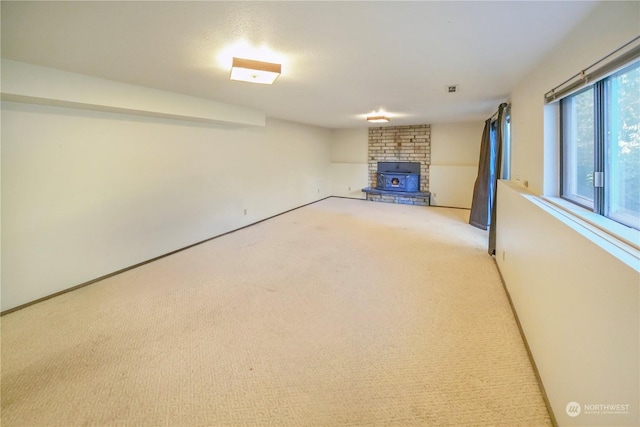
point(379, 118)
point(249, 70)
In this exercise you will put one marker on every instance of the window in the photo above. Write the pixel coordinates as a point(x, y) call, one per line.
point(506, 145)
point(502, 169)
point(600, 150)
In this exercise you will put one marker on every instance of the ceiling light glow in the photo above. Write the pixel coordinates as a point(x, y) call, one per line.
point(242, 49)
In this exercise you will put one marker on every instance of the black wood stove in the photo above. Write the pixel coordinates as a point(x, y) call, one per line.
point(398, 176)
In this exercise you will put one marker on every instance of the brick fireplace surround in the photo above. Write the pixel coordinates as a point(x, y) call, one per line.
point(400, 144)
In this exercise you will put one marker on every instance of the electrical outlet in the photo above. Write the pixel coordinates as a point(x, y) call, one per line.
point(245, 211)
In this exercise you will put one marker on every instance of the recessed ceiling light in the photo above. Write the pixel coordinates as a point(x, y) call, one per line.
point(250, 70)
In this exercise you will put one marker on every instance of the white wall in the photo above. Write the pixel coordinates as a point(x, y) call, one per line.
point(86, 193)
point(577, 303)
point(455, 152)
point(609, 26)
point(23, 82)
point(348, 171)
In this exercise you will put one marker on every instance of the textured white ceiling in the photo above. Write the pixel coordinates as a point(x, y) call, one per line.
point(342, 59)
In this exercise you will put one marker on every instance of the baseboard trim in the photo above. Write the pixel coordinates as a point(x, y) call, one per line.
point(529, 353)
point(106, 276)
point(449, 207)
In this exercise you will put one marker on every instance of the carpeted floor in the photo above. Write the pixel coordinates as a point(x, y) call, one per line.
point(344, 312)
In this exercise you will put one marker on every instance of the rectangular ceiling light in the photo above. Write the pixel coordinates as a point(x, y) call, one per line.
point(249, 70)
point(378, 119)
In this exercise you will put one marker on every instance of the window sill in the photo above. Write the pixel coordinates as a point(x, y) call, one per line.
point(622, 237)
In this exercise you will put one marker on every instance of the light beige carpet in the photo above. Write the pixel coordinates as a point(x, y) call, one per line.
point(344, 312)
